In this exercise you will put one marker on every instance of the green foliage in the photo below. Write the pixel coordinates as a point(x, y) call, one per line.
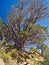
point(46, 56)
point(44, 46)
point(0, 22)
point(14, 54)
point(5, 56)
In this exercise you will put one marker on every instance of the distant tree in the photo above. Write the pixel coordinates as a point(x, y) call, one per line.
point(41, 47)
point(2, 31)
point(22, 28)
point(46, 56)
point(0, 25)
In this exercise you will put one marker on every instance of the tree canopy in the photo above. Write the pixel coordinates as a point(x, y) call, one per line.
point(22, 27)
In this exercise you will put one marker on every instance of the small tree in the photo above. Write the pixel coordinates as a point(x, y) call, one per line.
point(41, 47)
point(46, 56)
point(22, 28)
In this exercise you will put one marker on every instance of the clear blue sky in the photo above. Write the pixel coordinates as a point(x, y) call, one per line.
point(5, 5)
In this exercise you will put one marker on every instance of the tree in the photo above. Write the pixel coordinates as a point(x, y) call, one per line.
point(2, 31)
point(46, 56)
point(41, 47)
point(22, 28)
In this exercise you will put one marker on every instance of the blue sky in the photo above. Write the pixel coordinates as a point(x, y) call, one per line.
point(5, 5)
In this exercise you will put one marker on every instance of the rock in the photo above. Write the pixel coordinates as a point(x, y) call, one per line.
point(1, 62)
point(28, 64)
point(24, 63)
point(36, 59)
point(30, 61)
point(12, 62)
point(39, 57)
point(42, 59)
